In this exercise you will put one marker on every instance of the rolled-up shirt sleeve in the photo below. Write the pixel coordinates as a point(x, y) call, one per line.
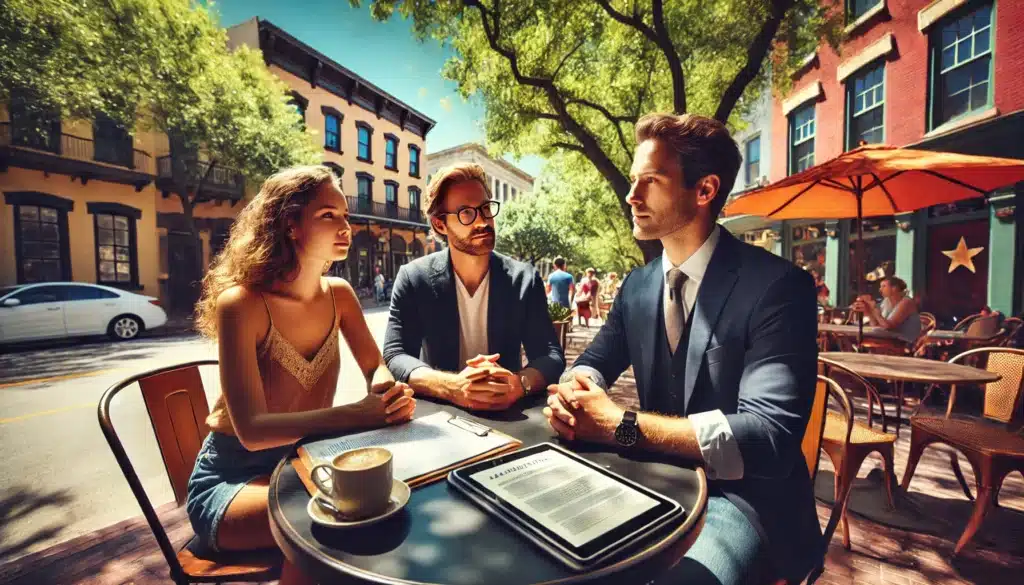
point(718, 445)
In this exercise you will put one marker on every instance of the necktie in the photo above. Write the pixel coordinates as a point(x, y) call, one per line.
point(675, 311)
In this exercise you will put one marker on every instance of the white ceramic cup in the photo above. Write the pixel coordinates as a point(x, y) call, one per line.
point(361, 481)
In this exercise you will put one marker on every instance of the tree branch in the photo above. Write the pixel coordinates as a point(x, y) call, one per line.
point(755, 57)
point(569, 146)
point(541, 115)
point(659, 36)
point(614, 120)
point(554, 74)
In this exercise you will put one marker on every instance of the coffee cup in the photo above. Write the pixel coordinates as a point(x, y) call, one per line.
point(360, 484)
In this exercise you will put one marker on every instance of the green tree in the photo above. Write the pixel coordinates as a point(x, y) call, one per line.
point(154, 65)
point(573, 76)
point(528, 228)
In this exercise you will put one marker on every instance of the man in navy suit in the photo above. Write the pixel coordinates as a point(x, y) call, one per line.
point(721, 338)
point(460, 317)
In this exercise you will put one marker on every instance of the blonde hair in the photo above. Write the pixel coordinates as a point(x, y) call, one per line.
point(259, 250)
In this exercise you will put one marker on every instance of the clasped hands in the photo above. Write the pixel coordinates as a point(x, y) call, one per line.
point(484, 385)
point(391, 400)
point(580, 410)
point(864, 304)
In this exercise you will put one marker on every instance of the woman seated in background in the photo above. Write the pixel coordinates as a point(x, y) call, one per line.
point(897, 312)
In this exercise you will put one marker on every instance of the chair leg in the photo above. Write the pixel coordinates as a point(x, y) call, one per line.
point(890, 474)
point(898, 390)
point(917, 444)
point(954, 461)
point(845, 482)
point(981, 507)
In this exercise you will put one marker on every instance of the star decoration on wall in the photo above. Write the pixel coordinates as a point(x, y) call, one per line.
point(962, 256)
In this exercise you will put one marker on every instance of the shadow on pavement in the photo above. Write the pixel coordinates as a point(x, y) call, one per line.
point(21, 502)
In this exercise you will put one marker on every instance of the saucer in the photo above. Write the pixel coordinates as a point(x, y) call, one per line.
point(400, 493)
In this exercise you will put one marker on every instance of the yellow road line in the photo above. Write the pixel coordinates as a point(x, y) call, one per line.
point(47, 412)
point(55, 378)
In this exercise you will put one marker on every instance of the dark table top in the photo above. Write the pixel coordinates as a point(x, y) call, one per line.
point(441, 537)
point(909, 369)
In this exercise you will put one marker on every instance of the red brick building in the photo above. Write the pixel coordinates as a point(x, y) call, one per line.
point(941, 75)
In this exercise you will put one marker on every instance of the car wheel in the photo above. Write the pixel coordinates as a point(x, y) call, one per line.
point(125, 327)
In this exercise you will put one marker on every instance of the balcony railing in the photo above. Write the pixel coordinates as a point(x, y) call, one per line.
point(76, 147)
point(222, 181)
point(365, 207)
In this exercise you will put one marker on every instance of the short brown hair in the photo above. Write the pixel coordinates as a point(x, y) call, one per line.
point(443, 180)
point(895, 281)
point(704, 147)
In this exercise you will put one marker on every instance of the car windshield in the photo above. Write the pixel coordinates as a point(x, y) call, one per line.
point(6, 290)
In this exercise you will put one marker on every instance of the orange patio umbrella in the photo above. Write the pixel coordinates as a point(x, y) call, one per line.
point(878, 180)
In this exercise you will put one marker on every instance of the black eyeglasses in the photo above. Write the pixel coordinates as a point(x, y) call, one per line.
point(467, 215)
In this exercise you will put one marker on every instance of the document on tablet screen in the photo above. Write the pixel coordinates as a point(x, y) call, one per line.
point(575, 502)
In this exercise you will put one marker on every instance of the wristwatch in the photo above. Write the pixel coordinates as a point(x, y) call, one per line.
point(525, 382)
point(628, 432)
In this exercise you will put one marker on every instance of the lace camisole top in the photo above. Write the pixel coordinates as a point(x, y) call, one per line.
point(291, 382)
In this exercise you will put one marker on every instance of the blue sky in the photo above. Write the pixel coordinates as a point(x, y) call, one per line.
point(386, 54)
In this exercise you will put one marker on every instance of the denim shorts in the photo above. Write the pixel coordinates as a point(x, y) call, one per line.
point(222, 469)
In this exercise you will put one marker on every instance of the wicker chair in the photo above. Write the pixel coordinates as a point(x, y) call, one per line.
point(177, 409)
point(847, 450)
point(993, 450)
point(1014, 326)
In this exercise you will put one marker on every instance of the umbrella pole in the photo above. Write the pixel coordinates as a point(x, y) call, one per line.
point(859, 193)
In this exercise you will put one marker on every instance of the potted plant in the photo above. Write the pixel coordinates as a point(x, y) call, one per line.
point(561, 318)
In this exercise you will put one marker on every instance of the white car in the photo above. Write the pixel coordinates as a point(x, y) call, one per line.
point(52, 310)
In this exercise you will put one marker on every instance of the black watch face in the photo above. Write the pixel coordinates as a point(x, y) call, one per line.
point(626, 434)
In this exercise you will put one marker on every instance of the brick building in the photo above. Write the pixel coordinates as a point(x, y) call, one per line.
point(941, 75)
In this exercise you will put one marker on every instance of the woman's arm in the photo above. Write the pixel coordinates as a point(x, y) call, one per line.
point(903, 310)
point(360, 340)
point(240, 323)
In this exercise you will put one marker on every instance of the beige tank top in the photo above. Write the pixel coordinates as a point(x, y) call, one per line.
point(291, 383)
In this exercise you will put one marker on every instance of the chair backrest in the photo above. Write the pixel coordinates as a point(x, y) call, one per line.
point(843, 376)
point(928, 322)
point(1013, 329)
point(1002, 397)
point(810, 446)
point(983, 326)
point(177, 409)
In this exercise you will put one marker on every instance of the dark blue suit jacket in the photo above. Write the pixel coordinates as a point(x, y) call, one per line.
point(752, 354)
point(423, 329)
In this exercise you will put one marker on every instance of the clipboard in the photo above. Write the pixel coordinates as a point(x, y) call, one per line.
point(490, 442)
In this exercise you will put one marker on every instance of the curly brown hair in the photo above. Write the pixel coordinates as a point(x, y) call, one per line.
point(259, 251)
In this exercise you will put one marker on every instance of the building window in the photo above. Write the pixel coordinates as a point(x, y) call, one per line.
point(40, 249)
point(364, 187)
point(33, 128)
point(338, 170)
point(391, 152)
point(865, 101)
point(414, 161)
point(801, 138)
point(332, 133)
point(299, 103)
point(414, 198)
point(858, 8)
point(962, 61)
point(513, 193)
point(365, 142)
point(113, 249)
point(504, 191)
point(111, 142)
point(391, 193)
point(752, 160)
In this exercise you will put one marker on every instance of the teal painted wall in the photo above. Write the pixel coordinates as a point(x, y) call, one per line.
point(905, 241)
point(1002, 244)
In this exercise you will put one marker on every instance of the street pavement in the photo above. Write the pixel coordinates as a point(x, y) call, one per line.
point(58, 478)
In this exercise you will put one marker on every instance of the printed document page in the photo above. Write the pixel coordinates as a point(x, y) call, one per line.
point(420, 446)
point(575, 502)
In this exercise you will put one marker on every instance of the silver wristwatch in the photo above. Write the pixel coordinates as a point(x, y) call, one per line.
point(525, 382)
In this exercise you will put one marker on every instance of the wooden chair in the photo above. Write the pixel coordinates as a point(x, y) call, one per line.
point(848, 450)
point(928, 322)
point(811, 447)
point(1014, 326)
point(177, 409)
point(994, 449)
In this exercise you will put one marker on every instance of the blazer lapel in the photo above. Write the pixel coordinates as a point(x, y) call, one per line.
point(446, 310)
point(648, 320)
point(711, 298)
point(498, 303)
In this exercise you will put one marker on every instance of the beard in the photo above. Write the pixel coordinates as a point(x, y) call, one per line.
point(474, 246)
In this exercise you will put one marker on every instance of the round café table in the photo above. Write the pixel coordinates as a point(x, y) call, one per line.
point(440, 537)
point(908, 369)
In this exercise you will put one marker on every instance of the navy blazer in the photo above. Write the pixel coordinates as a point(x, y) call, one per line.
point(423, 329)
point(752, 354)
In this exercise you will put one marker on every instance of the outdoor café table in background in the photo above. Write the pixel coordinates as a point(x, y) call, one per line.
point(878, 332)
point(902, 369)
point(441, 537)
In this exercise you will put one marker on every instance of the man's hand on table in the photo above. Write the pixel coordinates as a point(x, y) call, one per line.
point(482, 385)
point(580, 410)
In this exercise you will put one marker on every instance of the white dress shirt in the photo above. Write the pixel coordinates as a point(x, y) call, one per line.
point(717, 442)
point(472, 319)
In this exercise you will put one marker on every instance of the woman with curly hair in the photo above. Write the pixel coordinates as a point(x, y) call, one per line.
point(276, 319)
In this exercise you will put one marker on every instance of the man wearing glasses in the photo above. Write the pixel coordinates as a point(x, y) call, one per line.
point(459, 317)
